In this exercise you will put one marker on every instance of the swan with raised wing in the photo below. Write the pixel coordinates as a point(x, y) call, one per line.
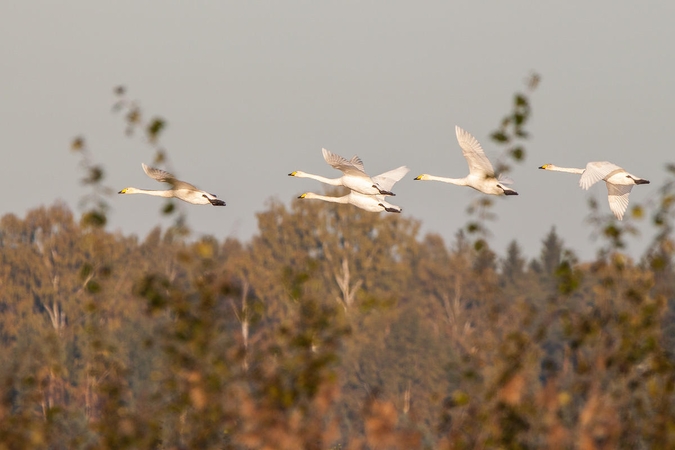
point(354, 175)
point(619, 182)
point(481, 173)
point(179, 189)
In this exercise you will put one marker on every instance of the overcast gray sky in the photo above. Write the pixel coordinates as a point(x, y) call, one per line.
point(254, 90)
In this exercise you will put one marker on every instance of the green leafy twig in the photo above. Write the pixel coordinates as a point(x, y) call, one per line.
point(94, 203)
point(510, 133)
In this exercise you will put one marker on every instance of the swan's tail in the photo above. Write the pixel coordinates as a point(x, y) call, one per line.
point(504, 179)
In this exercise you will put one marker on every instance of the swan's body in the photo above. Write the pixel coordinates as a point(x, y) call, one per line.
point(374, 202)
point(179, 189)
point(354, 178)
point(481, 173)
point(619, 182)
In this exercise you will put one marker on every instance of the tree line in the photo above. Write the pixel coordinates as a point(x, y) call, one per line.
point(331, 328)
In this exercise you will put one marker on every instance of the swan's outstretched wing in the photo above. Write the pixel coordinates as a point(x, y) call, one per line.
point(340, 163)
point(475, 157)
point(356, 161)
point(596, 171)
point(165, 177)
point(387, 180)
point(618, 198)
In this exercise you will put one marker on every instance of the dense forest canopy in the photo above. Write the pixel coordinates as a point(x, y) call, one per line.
point(333, 328)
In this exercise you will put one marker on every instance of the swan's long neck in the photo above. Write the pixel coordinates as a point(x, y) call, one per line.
point(457, 181)
point(563, 169)
point(149, 192)
point(331, 181)
point(325, 198)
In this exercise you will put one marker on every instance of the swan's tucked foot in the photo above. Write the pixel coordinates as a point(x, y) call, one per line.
point(640, 181)
point(510, 192)
point(392, 210)
point(215, 201)
point(383, 192)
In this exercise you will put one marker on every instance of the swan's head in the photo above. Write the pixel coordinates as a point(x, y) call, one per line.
point(422, 177)
point(296, 173)
point(547, 166)
point(129, 190)
point(308, 195)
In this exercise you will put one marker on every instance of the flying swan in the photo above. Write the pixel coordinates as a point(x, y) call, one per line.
point(619, 182)
point(481, 173)
point(179, 189)
point(372, 203)
point(354, 178)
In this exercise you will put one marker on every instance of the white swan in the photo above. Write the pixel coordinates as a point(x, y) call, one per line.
point(481, 173)
point(179, 189)
point(354, 178)
point(373, 202)
point(619, 182)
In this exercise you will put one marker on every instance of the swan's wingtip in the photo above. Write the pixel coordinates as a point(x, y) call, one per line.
point(459, 131)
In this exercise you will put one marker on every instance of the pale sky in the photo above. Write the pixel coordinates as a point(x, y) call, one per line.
point(253, 90)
